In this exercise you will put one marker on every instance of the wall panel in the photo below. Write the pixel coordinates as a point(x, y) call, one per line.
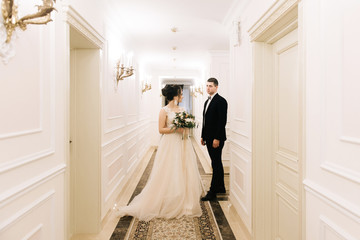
point(32, 162)
point(333, 150)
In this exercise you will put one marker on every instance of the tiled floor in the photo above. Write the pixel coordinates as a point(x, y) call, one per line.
point(223, 205)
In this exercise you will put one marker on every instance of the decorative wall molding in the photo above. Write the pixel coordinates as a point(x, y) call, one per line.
point(150, 151)
point(10, 165)
point(115, 160)
point(245, 161)
point(327, 225)
point(131, 146)
point(116, 117)
point(114, 149)
point(341, 171)
point(26, 210)
point(122, 135)
point(116, 187)
point(32, 233)
point(238, 200)
point(131, 123)
point(239, 133)
point(73, 18)
point(115, 176)
point(20, 190)
point(349, 209)
point(132, 137)
point(133, 162)
point(115, 128)
point(242, 210)
point(241, 188)
point(268, 19)
point(39, 128)
point(291, 26)
point(21, 133)
point(240, 146)
point(239, 120)
point(143, 150)
point(350, 140)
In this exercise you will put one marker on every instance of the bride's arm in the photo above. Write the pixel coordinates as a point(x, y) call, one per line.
point(163, 129)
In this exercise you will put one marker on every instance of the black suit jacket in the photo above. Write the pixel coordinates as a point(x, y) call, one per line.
point(215, 119)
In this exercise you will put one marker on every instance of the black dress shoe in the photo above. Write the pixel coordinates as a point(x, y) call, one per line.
point(209, 196)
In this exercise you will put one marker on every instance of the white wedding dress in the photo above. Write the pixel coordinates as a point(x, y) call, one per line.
point(174, 188)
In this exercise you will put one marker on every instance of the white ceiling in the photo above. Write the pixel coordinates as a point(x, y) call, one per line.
point(148, 24)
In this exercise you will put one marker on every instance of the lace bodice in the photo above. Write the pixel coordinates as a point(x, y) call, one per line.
point(171, 116)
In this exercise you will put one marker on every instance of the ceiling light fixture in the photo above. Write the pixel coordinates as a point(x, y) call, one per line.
point(174, 29)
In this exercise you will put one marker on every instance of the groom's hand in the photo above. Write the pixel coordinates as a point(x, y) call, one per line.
point(202, 142)
point(216, 143)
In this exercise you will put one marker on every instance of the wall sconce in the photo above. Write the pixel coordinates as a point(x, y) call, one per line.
point(198, 90)
point(11, 20)
point(146, 86)
point(192, 91)
point(122, 71)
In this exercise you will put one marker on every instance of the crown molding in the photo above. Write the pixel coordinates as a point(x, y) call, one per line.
point(73, 18)
point(270, 17)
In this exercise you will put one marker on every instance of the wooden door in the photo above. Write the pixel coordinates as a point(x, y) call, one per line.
point(286, 138)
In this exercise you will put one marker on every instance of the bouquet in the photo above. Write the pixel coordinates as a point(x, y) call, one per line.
point(184, 120)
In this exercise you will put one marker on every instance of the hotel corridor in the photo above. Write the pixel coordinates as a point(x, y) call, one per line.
point(80, 96)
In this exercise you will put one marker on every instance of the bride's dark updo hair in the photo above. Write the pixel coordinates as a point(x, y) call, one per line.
point(171, 91)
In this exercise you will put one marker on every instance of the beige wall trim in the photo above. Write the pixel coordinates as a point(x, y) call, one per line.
point(74, 19)
point(280, 19)
point(270, 18)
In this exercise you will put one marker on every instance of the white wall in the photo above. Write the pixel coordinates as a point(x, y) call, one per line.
point(32, 135)
point(240, 104)
point(126, 119)
point(34, 93)
point(332, 183)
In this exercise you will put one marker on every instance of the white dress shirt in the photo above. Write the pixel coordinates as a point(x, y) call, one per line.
point(208, 103)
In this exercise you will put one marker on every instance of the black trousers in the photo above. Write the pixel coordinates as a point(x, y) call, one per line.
point(217, 181)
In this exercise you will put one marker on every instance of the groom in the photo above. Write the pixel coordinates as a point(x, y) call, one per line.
point(213, 136)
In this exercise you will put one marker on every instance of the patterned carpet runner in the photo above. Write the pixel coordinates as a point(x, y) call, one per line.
point(203, 227)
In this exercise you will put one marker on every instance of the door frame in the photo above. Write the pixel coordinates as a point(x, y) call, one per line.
point(74, 20)
point(283, 17)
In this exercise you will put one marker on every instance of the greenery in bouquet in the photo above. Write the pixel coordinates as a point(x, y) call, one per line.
point(184, 120)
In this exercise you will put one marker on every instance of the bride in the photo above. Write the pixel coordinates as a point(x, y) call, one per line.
point(173, 189)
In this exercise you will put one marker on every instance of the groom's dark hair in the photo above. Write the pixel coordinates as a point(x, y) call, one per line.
point(213, 80)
